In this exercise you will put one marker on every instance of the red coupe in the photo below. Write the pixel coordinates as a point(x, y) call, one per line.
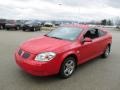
point(61, 50)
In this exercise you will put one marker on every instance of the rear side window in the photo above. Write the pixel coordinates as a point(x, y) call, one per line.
point(92, 33)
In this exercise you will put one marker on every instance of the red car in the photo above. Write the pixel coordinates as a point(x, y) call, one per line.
point(61, 50)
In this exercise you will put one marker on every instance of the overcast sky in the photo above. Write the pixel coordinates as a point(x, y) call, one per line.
point(59, 9)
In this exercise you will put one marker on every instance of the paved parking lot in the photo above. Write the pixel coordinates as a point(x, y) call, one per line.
point(98, 74)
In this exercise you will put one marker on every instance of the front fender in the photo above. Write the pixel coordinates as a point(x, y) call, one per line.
point(68, 53)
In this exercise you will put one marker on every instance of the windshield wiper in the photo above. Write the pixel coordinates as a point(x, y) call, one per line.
point(46, 35)
point(53, 37)
point(57, 38)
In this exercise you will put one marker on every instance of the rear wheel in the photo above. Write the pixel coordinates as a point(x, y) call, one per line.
point(1, 27)
point(106, 52)
point(68, 67)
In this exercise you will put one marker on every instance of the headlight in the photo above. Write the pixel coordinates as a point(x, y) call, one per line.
point(46, 56)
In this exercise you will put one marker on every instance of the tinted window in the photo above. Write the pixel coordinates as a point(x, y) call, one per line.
point(92, 33)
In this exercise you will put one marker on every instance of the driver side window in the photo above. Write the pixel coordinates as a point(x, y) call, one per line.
point(92, 33)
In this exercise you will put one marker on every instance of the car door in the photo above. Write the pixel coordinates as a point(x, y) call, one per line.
point(89, 50)
point(99, 42)
point(102, 41)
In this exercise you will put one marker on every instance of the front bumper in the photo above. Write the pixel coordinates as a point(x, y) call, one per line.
point(28, 28)
point(38, 68)
point(31, 28)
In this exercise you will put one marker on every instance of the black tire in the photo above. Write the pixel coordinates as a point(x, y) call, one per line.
point(7, 29)
point(106, 52)
point(40, 29)
point(1, 27)
point(17, 28)
point(64, 72)
point(24, 29)
point(34, 29)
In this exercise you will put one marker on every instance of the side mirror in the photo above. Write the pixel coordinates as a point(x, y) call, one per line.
point(87, 39)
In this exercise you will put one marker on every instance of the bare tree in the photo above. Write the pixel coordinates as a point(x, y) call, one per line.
point(117, 21)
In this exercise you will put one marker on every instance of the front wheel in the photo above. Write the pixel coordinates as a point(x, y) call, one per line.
point(34, 29)
point(68, 67)
point(106, 52)
point(17, 28)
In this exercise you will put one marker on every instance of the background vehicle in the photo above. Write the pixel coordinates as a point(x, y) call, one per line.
point(118, 26)
point(20, 24)
point(12, 25)
point(57, 24)
point(2, 23)
point(48, 24)
point(32, 26)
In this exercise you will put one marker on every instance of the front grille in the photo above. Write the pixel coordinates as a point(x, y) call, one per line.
point(23, 54)
point(26, 55)
point(20, 52)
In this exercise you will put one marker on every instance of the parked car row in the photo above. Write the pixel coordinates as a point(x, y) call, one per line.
point(28, 25)
point(20, 25)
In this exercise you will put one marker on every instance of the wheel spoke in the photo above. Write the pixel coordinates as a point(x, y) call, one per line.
point(107, 51)
point(66, 72)
point(69, 67)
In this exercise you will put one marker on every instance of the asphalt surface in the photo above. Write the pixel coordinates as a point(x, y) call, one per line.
point(98, 74)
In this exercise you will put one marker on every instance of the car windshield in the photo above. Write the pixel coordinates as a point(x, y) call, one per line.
point(67, 33)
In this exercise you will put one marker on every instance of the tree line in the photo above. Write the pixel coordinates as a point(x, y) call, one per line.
point(106, 22)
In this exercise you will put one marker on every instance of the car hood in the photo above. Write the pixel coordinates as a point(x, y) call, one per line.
point(28, 24)
point(43, 44)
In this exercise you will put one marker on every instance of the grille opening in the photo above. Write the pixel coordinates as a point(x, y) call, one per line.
point(26, 55)
point(20, 52)
point(23, 54)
